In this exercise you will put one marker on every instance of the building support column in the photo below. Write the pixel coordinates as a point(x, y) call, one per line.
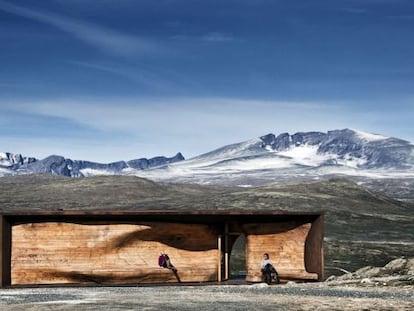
point(219, 258)
point(226, 251)
point(5, 252)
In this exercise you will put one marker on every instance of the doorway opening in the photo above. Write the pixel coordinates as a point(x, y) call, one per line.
point(237, 260)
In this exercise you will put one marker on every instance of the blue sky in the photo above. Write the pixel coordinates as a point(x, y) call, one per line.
point(109, 80)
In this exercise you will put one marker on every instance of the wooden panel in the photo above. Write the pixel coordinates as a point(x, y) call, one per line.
point(285, 243)
point(314, 257)
point(2, 272)
point(47, 253)
point(5, 240)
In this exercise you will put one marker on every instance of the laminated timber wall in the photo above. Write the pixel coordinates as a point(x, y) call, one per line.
point(110, 247)
point(48, 253)
point(284, 242)
point(5, 249)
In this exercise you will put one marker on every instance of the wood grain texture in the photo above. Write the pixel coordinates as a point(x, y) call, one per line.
point(112, 248)
point(2, 265)
point(314, 252)
point(284, 242)
point(57, 252)
point(5, 249)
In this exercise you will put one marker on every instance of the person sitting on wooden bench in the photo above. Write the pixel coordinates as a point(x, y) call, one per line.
point(268, 270)
point(165, 262)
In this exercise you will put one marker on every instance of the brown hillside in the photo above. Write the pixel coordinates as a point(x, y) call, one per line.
point(361, 227)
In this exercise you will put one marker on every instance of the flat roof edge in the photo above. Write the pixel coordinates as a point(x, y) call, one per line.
point(155, 212)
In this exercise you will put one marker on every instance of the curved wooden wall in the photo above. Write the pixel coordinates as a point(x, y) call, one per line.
point(58, 252)
point(284, 242)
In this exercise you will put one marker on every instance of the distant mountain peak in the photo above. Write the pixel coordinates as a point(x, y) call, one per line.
point(59, 165)
point(284, 156)
point(10, 160)
point(370, 136)
point(271, 157)
point(347, 147)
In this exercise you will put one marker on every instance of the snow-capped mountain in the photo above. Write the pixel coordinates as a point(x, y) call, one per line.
point(12, 160)
point(343, 147)
point(57, 165)
point(306, 155)
point(269, 158)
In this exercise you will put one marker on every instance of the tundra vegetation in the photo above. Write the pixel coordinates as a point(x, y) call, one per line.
point(362, 228)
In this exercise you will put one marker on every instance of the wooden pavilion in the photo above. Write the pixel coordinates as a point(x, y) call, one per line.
point(122, 247)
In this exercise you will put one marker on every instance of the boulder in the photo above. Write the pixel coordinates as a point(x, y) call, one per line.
point(409, 267)
point(397, 265)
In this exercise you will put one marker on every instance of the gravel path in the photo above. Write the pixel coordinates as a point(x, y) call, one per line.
point(315, 296)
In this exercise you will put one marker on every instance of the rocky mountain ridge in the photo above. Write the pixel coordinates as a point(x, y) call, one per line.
point(266, 159)
point(365, 149)
point(14, 160)
point(58, 165)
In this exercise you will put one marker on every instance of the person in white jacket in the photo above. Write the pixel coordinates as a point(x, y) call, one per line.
point(268, 270)
point(266, 261)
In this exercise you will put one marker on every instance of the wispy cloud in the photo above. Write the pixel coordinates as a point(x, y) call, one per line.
point(214, 37)
point(405, 17)
point(356, 11)
point(126, 128)
point(217, 37)
point(170, 113)
point(95, 35)
point(159, 80)
point(214, 121)
point(9, 85)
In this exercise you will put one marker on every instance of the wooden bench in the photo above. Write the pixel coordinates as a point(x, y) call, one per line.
point(147, 275)
point(291, 274)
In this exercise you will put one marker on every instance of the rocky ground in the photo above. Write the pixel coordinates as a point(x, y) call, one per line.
point(398, 272)
point(372, 288)
point(315, 296)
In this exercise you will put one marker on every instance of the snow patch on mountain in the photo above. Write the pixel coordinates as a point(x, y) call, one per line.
point(308, 155)
point(247, 148)
point(251, 163)
point(272, 158)
point(269, 158)
point(89, 172)
point(305, 155)
point(4, 159)
point(58, 165)
point(5, 172)
point(12, 160)
point(369, 137)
